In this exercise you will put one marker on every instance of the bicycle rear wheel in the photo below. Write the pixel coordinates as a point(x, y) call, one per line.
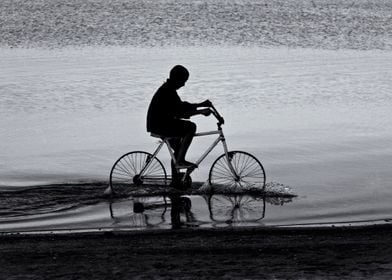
point(248, 173)
point(126, 172)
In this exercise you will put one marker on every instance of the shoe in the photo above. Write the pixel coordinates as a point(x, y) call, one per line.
point(186, 164)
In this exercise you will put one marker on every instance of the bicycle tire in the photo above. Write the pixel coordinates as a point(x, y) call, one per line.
point(236, 208)
point(125, 173)
point(250, 171)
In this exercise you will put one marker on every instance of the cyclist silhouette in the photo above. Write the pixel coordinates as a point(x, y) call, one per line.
point(166, 114)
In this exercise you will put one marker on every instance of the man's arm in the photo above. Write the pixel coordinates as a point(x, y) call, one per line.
point(206, 103)
point(192, 111)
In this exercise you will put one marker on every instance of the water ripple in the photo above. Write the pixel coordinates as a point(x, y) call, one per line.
point(323, 24)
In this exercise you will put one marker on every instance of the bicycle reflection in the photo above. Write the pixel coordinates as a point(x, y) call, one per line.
point(139, 212)
point(236, 209)
point(180, 211)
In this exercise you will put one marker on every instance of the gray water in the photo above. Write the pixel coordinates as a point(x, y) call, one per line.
point(303, 85)
point(332, 24)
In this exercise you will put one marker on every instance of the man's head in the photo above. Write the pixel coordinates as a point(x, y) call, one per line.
point(178, 76)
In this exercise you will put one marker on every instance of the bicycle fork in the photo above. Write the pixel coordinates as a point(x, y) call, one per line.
point(229, 157)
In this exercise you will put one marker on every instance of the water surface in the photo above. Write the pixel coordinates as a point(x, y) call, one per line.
point(305, 86)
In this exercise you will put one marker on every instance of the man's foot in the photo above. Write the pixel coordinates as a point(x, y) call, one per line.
point(185, 164)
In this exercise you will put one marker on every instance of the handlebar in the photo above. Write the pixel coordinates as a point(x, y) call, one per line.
point(217, 115)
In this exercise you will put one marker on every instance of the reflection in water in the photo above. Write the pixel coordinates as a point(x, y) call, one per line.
point(223, 211)
point(84, 207)
point(180, 209)
point(140, 212)
point(236, 208)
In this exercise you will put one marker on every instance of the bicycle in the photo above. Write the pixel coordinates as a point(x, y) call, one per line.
point(233, 169)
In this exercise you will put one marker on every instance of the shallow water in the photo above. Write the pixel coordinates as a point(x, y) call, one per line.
point(84, 208)
point(319, 120)
point(318, 117)
point(62, 208)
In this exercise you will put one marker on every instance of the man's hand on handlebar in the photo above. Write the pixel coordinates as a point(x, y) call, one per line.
point(206, 112)
point(206, 103)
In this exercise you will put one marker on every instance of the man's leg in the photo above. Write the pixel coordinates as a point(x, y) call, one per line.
point(190, 130)
point(175, 143)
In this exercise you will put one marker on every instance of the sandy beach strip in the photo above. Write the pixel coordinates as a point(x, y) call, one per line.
point(243, 253)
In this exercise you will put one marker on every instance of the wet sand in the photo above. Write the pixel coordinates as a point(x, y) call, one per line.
point(262, 253)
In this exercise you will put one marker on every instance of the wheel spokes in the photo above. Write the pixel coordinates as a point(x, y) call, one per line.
point(136, 168)
point(248, 172)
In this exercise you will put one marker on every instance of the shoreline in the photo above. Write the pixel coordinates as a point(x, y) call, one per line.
point(80, 232)
point(363, 252)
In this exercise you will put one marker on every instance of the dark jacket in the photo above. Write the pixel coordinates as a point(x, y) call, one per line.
point(165, 107)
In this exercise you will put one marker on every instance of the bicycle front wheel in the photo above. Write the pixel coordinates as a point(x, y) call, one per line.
point(237, 171)
point(135, 169)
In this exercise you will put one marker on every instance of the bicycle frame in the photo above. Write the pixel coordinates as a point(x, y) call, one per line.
point(210, 148)
point(220, 138)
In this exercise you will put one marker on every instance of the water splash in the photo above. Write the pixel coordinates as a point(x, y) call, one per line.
point(62, 197)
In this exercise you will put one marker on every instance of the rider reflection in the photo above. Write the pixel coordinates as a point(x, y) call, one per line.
point(180, 207)
point(223, 210)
